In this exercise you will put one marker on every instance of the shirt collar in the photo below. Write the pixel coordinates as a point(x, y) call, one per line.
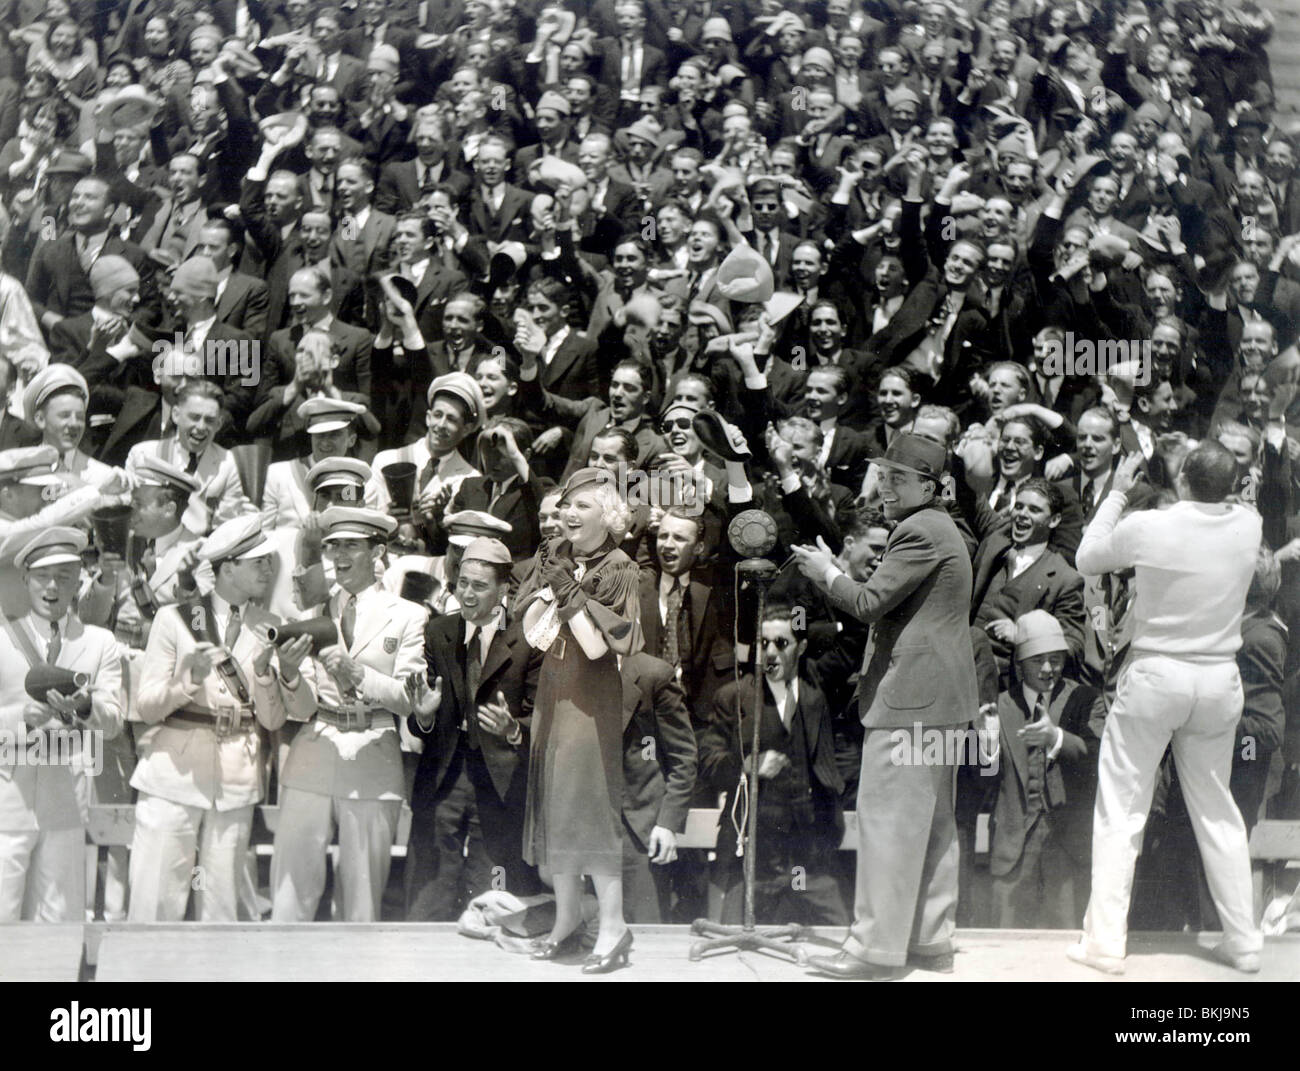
point(667, 582)
point(42, 627)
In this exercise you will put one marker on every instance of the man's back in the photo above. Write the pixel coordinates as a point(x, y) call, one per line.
point(1194, 563)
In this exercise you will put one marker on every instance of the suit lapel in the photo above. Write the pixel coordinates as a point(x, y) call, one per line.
point(369, 624)
point(631, 696)
point(498, 655)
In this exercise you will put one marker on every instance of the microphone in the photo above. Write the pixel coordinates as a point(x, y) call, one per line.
point(752, 534)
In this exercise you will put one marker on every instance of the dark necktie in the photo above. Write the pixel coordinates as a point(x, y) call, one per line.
point(232, 628)
point(192, 465)
point(149, 559)
point(473, 675)
point(348, 619)
point(1086, 493)
point(56, 644)
point(669, 644)
point(1040, 708)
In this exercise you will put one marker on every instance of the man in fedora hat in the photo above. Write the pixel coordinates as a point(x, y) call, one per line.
point(918, 675)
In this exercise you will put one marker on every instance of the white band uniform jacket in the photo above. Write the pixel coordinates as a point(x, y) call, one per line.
point(42, 797)
point(388, 642)
point(193, 766)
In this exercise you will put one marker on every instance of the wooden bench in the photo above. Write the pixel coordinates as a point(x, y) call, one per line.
point(1276, 844)
point(40, 951)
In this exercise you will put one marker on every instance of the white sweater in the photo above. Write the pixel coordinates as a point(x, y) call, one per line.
point(1194, 562)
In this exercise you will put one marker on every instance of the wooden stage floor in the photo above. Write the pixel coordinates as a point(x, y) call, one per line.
point(436, 952)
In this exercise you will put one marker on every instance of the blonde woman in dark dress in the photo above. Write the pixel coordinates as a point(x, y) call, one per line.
point(580, 606)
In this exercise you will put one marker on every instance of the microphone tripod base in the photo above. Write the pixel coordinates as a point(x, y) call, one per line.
point(748, 939)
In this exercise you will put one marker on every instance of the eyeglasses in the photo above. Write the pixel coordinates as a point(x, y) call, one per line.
point(676, 424)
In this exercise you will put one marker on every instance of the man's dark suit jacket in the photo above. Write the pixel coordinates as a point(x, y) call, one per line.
point(720, 756)
point(244, 303)
point(508, 225)
point(520, 505)
point(433, 290)
point(510, 667)
point(353, 345)
point(1049, 584)
point(704, 638)
point(139, 419)
point(55, 281)
point(398, 188)
point(1071, 784)
point(965, 346)
point(659, 755)
point(574, 371)
point(367, 252)
point(15, 432)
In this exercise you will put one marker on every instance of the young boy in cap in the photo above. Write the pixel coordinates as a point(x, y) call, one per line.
point(209, 686)
point(1042, 740)
point(344, 770)
point(55, 402)
point(470, 787)
point(42, 839)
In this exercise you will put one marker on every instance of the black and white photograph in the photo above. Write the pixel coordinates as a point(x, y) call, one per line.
point(655, 491)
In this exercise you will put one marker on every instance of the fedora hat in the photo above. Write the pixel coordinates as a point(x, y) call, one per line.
point(912, 453)
point(129, 106)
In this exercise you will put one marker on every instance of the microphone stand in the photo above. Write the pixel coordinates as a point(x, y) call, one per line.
point(760, 572)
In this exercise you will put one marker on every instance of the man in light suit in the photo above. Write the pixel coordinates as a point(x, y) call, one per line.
point(196, 415)
point(42, 838)
point(470, 787)
point(918, 676)
point(344, 769)
point(208, 688)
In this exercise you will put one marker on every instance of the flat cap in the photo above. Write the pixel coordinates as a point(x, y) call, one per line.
point(238, 538)
point(486, 549)
point(155, 472)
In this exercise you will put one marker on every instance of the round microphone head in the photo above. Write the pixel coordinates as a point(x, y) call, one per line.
point(752, 533)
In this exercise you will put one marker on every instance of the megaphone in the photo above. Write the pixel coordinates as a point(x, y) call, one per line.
point(42, 678)
point(111, 526)
point(251, 462)
point(417, 587)
point(322, 630)
point(399, 478)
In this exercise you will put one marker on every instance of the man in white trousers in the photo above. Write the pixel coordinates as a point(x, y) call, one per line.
point(1193, 563)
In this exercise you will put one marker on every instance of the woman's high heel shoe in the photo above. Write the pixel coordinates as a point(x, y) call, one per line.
point(616, 957)
point(548, 949)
